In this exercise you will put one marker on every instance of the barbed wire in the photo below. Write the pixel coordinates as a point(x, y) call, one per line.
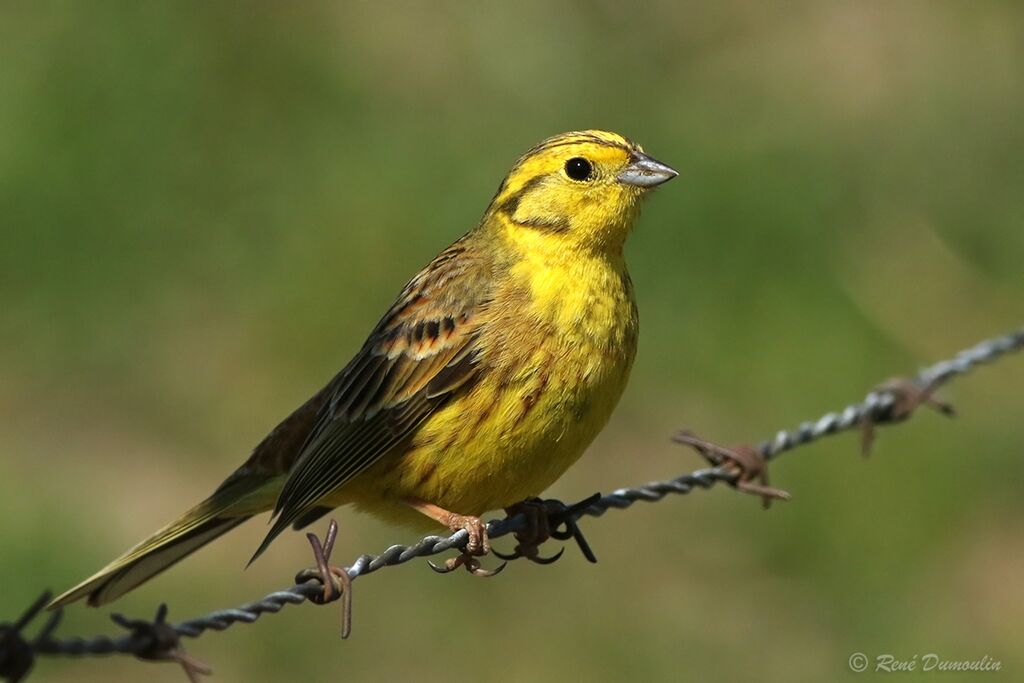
point(158, 640)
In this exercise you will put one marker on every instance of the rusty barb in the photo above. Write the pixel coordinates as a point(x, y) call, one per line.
point(154, 640)
point(891, 402)
point(17, 655)
point(335, 580)
point(907, 396)
point(745, 463)
point(548, 518)
point(743, 467)
point(158, 641)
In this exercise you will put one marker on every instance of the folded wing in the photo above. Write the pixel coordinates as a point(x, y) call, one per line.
point(424, 350)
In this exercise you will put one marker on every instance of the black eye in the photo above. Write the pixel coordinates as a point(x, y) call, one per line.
point(578, 168)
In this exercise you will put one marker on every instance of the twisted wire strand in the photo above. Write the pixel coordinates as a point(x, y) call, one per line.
point(877, 407)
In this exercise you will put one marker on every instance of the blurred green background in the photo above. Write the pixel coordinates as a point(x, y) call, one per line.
point(205, 207)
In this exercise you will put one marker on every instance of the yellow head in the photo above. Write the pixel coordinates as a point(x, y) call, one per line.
point(583, 188)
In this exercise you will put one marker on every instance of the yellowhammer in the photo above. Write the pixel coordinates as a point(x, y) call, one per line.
point(496, 367)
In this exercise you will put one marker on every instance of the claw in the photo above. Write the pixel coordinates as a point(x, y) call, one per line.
point(538, 529)
point(484, 573)
point(549, 560)
point(477, 541)
point(545, 519)
point(530, 553)
point(509, 557)
point(477, 545)
point(441, 570)
point(472, 565)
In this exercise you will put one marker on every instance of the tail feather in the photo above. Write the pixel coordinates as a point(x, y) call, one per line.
point(165, 548)
point(251, 489)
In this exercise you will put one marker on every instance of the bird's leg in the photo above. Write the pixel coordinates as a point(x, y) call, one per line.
point(477, 545)
point(538, 529)
point(335, 580)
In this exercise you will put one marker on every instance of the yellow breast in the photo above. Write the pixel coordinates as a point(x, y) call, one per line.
point(558, 343)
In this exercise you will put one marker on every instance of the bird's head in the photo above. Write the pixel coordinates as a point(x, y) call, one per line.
point(583, 188)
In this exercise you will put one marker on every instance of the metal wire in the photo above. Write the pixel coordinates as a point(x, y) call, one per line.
point(878, 407)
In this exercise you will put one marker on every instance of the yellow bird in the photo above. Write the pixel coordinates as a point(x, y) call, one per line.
point(496, 367)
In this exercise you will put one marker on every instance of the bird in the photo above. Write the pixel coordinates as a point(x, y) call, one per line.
point(494, 369)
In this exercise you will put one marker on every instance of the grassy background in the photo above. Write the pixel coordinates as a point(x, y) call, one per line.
point(206, 206)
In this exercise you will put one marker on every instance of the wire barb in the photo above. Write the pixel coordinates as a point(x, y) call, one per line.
point(746, 463)
point(537, 529)
point(884, 405)
point(17, 655)
point(336, 581)
point(158, 641)
point(907, 396)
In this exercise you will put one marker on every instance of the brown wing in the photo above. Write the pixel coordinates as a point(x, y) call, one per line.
point(421, 352)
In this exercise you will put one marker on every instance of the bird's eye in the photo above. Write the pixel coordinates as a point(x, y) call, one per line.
point(578, 168)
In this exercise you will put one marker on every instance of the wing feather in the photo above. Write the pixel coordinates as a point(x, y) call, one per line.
point(423, 351)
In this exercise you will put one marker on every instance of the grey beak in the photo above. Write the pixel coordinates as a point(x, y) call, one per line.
point(643, 171)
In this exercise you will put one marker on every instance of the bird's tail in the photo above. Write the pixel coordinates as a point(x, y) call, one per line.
point(216, 515)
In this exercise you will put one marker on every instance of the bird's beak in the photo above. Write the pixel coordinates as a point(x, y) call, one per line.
point(643, 171)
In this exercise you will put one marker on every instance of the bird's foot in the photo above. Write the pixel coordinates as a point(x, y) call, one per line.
point(538, 529)
point(335, 580)
point(477, 543)
point(745, 462)
point(907, 397)
point(477, 546)
point(545, 519)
